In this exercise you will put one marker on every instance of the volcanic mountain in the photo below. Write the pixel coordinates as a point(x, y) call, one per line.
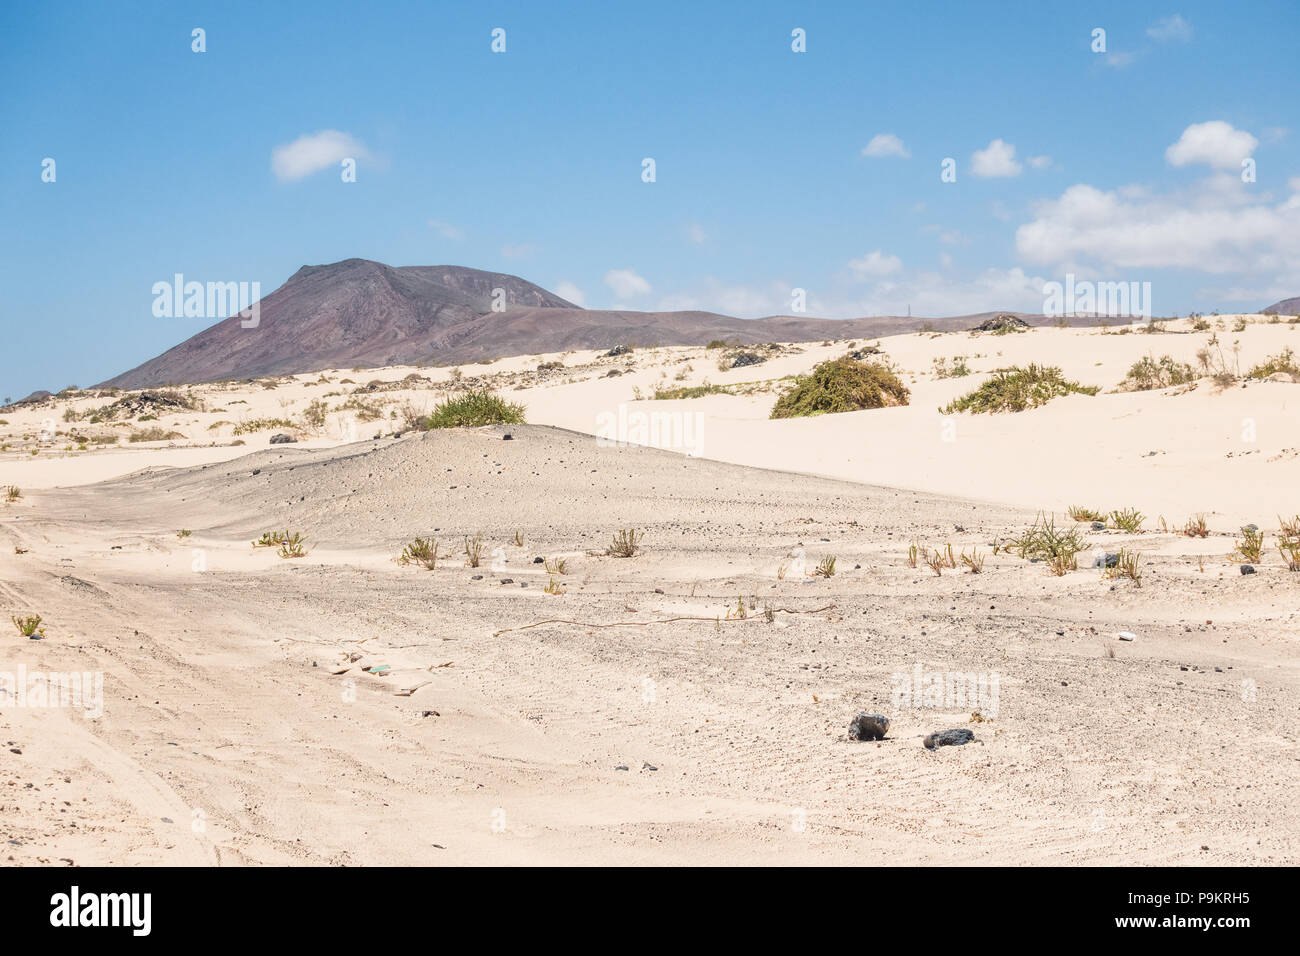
point(1285, 307)
point(367, 314)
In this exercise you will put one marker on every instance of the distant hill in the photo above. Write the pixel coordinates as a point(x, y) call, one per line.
point(363, 313)
point(1285, 307)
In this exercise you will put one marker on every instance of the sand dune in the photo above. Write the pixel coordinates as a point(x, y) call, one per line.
point(237, 728)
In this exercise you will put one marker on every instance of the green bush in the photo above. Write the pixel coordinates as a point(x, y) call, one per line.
point(842, 385)
point(1016, 389)
point(470, 410)
point(1148, 373)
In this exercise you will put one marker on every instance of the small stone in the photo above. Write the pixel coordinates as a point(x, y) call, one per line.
point(1126, 635)
point(1108, 560)
point(507, 437)
point(621, 766)
point(280, 438)
point(1247, 569)
point(645, 765)
point(1099, 526)
point(507, 580)
point(868, 727)
point(539, 560)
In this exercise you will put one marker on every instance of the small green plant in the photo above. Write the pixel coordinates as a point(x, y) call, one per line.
point(1196, 527)
point(1250, 546)
point(519, 539)
point(473, 551)
point(556, 566)
point(1128, 566)
point(270, 539)
point(13, 493)
point(1059, 564)
point(948, 555)
point(292, 546)
point(1130, 520)
point(825, 567)
point(913, 551)
point(1079, 513)
point(936, 563)
point(974, 561)
point(184, 533)
point(28, 626)
point(421, 551)
point(553, 587)
point(626, 543)
point(1017, 389)
point(739, 612)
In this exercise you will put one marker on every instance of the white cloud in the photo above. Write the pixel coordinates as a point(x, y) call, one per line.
point(1119, 59)
point(567, 290)
point(996, 160)
point(744, 301)
point(446, 229)
point(875, 264)
point(312, 152)
point(1216, 143)
point(626, 283)
point(1039, 162)
point(695, 234)
point(885, 144)
point(1172, 28)
point(1217, 226)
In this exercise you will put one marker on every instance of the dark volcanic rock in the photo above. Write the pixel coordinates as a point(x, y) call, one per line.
point(948, 738)
point(1247, 569)
point(280, 438)
point(869, 727)
point(1003, 321)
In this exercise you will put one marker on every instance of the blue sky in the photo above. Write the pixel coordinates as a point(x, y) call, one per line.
point(1120, 166)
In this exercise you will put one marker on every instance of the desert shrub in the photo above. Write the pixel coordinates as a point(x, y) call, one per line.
point(261, 424)
point(1284, 361)
point(28, 626)
point(469, 410)
point(1016, 389)
point(958, 368)
point(842, 385)
point(293, 545)
point(152, 434)
point(825, 567)
point(1148, 373)
point(1130, 520)
point(625, 544)
point(313, 416)
point(13, 493)
point(1043, 541)
point(421, 551)
point(1128, 566)
point(1250, 546)
point(1080, 513)
point(1196, 527)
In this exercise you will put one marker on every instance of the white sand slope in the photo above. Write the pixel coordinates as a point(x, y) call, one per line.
point(241, 722)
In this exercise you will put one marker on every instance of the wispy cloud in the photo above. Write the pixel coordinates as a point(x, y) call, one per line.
point(568, 290)
point(1171, 29)
point(875, 264)
point(446, 230)
point(626, 283)
point(312, 152)
point(885, 144)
